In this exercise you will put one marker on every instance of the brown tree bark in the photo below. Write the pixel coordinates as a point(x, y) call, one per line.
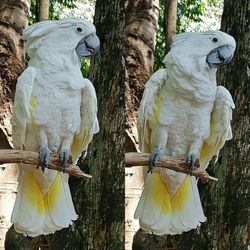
point(32, 158)
point(43, 12)
point(170, 22)
point(13, 18)
point(178, 164)
point(140, 31)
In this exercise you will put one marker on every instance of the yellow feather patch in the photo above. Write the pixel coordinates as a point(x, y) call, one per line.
point(204, 151)
point(53, 194)
point(33, 193)
point(181, 196)
point(156, 110)
point(159, 193)
point(210, 147)
point(74, 145)
point(31, 109)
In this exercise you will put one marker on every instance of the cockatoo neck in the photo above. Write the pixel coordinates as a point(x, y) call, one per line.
point(60, 59)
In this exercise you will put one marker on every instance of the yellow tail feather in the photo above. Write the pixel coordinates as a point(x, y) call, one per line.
point(33, 192)
point(181, 196)
point(52, 195)
point(159, 193)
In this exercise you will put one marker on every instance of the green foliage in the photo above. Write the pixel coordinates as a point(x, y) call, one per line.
point(160, 38)
point(85, 67)
point(188, 11)
point(55, 6)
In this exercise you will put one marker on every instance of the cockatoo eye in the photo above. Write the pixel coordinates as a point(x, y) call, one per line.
point(215, 40)
point(79, 29)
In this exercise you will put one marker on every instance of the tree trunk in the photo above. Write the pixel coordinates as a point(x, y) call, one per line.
point(226, 203)
point(13, 18)
point(99, 202)
point(140, 31)
point(170, 22)
point(43, 10)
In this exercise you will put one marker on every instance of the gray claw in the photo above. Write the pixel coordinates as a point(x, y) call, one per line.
point(44, 154)
point(156, 153)
point(64, 157)
point(192, 161)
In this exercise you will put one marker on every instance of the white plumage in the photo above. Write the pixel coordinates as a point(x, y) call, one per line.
point(183, 112)
point(55, 110)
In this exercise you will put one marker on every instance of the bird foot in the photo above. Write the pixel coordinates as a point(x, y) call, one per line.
point(156, 153)
point(64, 157)
point(44, 154)
point(192, 161)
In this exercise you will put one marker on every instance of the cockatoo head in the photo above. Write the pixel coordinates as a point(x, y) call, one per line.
point(205, 49)
point(61, 37)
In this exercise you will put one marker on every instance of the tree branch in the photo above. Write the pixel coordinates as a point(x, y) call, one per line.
point(32, 158)
point(175, 163)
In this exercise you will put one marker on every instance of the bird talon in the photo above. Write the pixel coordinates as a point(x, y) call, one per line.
point(192, 161)
point(64, 157)
point(44, 154)
point(154, 157)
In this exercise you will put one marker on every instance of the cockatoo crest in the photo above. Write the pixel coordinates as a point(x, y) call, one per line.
point(196, 56)
point(194, 47)
point(47, 32)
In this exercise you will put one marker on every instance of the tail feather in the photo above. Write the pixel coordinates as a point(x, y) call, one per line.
point(59, 205)
point(154, 208)
point(69, 202)
point(186, 214)
point(161, 214)
point(29, 211)
point(35, 214)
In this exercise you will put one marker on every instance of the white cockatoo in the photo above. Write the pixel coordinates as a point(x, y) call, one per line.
point(55, 110)
point(183, 112)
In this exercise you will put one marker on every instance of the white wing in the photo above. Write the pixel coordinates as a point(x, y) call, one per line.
point(149, 105)
point(220, 127)
point(89, 121)
point(22, 105)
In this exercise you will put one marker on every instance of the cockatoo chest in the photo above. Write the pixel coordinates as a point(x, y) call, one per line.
point(56, 107)
point(185, 121)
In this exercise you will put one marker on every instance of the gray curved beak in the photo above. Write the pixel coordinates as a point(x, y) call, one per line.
point(88, 46)
point(220, 56)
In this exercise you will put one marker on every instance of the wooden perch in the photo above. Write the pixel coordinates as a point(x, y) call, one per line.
point(32, 158)
point(177, 164)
